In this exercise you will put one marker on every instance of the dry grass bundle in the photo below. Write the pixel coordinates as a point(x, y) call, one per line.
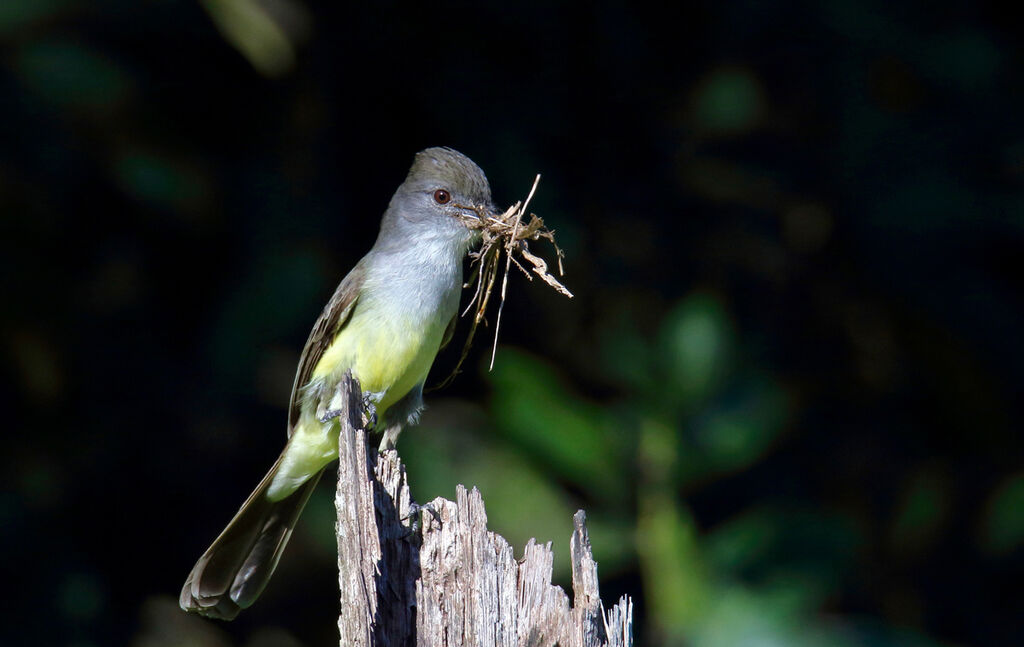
point(508, 233)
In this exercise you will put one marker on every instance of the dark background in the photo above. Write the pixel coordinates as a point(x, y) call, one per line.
point(788, 390)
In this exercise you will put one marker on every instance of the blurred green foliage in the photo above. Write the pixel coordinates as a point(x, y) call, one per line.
point(535, 411)
point(1003, 529)
point(263, 39)
point(728, 102)
point(160, 181)
point(920, 513)
point(71, 76)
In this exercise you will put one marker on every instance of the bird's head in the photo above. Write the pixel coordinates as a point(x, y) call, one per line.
point(443, 196)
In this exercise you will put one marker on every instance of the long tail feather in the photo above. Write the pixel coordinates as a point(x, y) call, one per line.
point(235, 569)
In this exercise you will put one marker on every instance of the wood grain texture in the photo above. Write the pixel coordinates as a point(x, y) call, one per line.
point(453, 584)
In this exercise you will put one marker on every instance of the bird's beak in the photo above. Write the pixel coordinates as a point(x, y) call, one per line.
point(480, 212)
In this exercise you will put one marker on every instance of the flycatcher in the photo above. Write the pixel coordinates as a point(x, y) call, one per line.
point(386, 321)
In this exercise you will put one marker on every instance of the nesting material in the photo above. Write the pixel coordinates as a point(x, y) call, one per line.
point(508, 235)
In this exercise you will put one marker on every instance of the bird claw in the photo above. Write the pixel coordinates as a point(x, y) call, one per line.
point(415, 516)
point(368, 414)
point(330, 415)
point(370, 410)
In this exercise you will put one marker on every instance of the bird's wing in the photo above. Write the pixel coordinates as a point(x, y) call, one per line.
point(333, 317)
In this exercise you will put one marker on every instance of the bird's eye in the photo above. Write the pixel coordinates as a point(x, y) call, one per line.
point(442, 197)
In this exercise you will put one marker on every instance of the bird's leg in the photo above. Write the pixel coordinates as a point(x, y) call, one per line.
point(389, 437)
point(369, 412)
point(330, 415)
point(328, 411)
point(331, 409)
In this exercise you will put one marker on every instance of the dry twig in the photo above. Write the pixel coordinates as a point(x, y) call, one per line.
point(506, 233)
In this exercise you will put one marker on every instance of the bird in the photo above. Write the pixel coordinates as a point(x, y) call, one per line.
point(385, 322)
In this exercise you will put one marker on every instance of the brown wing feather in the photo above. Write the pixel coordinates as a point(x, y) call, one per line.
point(333, 317)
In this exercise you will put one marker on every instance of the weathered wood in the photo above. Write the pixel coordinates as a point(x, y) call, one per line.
point(454, 584)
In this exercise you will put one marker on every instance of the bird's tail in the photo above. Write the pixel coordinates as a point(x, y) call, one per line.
point(234, 570)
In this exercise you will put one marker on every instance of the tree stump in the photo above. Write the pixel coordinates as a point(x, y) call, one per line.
point(452, 583)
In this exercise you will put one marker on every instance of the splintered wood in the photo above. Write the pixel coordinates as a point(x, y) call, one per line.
point(452, 583)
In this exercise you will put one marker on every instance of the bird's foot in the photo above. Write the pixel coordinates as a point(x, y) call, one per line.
point(368, 413)
point(415, 516)
point(330, 415)
point(370, 401)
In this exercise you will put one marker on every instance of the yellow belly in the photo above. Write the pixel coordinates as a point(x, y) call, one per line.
point(388, 355)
